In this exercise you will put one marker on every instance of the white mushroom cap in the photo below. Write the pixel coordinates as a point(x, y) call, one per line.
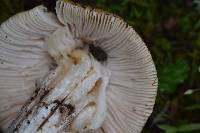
point(25, 59)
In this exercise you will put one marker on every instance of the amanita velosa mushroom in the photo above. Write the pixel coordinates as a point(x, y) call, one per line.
point(79, 70)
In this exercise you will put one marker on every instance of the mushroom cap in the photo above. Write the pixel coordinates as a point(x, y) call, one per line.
point(25, 59)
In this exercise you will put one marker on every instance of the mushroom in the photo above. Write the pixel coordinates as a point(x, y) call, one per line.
point(79, 70)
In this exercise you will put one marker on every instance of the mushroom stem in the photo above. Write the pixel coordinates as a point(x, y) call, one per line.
point(64, 95)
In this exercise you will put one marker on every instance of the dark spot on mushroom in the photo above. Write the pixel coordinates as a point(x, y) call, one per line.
point(61, 109)
point(28, 122)
point(28, 113)
point(6, 36)
point(15, 129)
point(36, 91)
point(45, 93)
point(57, 102)
point(52, 109)
point(98, 53)
point(36, 85)
point(70, 107)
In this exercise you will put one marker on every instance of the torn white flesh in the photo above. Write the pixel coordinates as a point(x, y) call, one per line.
point(72, 98)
